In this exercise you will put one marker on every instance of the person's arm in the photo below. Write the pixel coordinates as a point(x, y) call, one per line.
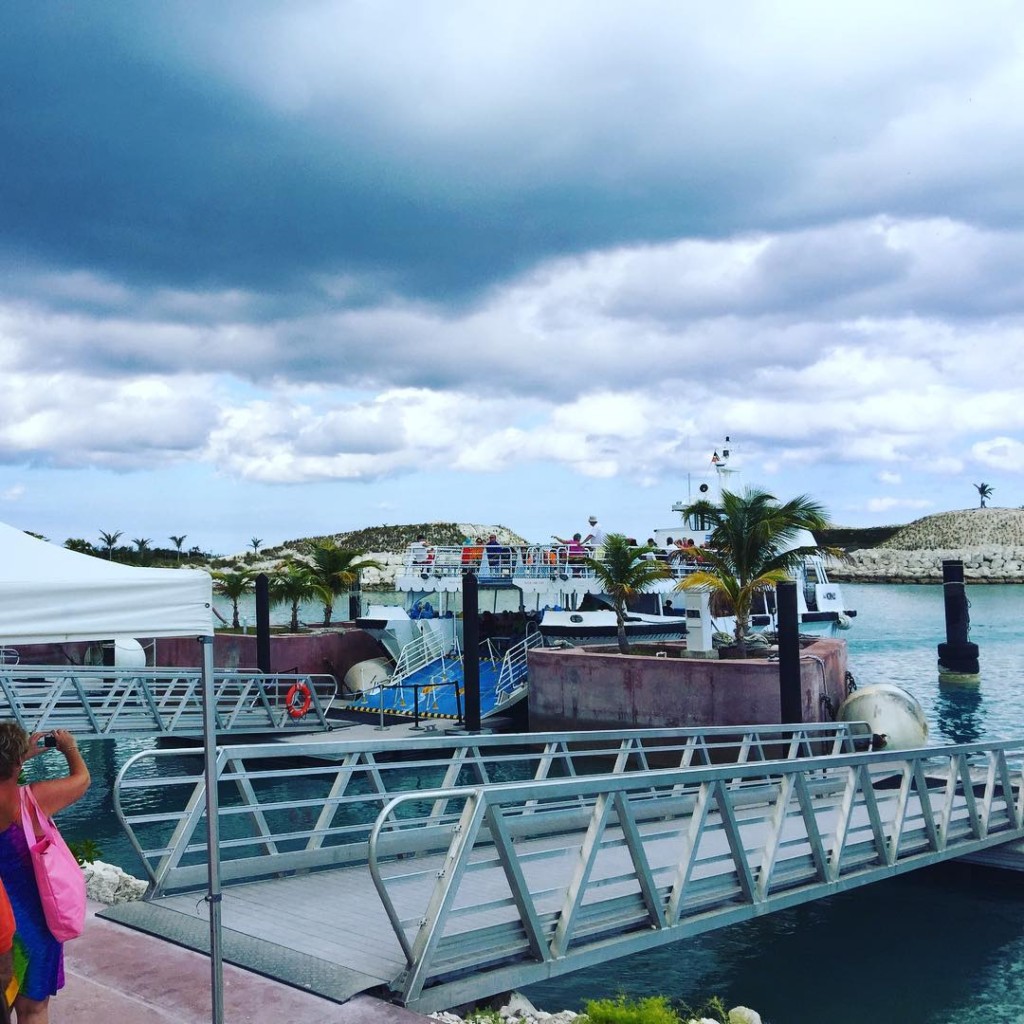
point(54, 795)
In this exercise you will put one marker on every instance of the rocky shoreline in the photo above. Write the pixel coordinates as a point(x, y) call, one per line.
point(988, 564)
point(519, 1010)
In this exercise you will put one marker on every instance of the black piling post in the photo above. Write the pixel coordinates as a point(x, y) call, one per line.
point(471, 650)
point(957, 655)
point(791, 698)
point(263, 623)
point(354, 596)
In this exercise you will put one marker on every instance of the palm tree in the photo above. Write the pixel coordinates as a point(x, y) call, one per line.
point(293, 583)
point(177, 542)
point(751, 548)
point(233, 585)
point(255, 543)
point(624, 571)
point(984, 491)
point(336, 570)
point(109, 540)
point(142, 543)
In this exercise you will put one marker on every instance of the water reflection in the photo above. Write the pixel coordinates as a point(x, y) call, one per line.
point(958, 710)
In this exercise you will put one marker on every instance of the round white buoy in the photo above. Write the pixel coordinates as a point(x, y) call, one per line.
point(128, 653)
point(365, 675)
point(892, 713)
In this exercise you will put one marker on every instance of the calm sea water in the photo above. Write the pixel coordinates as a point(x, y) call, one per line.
point(938, 947)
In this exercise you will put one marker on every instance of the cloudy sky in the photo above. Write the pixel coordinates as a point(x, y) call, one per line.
point(281, 268)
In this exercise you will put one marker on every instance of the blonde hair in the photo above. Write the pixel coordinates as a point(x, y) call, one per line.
point(13, 748)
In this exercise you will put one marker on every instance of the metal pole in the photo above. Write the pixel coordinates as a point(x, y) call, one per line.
point(471, 651)
point(213, 897)
point(263, 623)
point(789, 652)
point(957, 655)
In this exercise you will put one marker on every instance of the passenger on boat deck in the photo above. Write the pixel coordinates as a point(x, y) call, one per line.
point(668, 549)
point(498, 557)
point(596, 536)
point(574, 548)
point(419, 550)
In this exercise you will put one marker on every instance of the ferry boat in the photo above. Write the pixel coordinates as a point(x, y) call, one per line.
point(561, 601)
point(820, 604)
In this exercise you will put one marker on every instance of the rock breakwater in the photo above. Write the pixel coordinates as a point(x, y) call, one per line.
point(990, 564)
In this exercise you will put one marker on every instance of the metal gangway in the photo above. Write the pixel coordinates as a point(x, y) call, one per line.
point(102, 702)
point(446, 869)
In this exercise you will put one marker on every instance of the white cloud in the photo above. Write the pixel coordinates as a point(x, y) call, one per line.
point(888, 477)
point(1002, 453)
point(888, 504)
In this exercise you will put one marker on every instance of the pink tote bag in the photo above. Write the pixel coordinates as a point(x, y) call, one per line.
point(59, 878)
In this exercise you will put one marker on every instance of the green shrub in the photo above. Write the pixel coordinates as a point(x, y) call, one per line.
point(712, 1009)
point(621, 1010)
point(85, 851)
point(484, 1016)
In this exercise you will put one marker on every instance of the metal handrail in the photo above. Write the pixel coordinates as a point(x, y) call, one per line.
point(96, 701)
point(425, 649)
point(657, 855)
point(314, 803)
point(513, 674)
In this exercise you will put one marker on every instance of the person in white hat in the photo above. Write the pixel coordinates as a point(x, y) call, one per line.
point(595, 538)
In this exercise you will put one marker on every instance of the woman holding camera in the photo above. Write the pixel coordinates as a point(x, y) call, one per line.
point(44, 955)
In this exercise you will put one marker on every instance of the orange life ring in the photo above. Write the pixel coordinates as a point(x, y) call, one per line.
point(299, 690)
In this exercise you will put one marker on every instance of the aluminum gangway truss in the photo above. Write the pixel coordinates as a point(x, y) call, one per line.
point(449, 869)
point(103, 702)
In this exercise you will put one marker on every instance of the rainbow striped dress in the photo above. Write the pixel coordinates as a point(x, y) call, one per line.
point(38, 956)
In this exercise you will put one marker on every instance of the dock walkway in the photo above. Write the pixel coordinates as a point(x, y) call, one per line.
point(473, 865)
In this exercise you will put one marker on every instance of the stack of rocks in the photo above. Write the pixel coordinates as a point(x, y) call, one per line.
point(991, 564)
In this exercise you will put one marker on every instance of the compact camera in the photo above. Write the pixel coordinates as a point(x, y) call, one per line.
point(49, 740)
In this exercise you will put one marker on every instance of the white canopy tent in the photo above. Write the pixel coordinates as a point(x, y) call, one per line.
point(49, 594)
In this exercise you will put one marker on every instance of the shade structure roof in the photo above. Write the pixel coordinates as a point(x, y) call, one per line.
point(50, 594)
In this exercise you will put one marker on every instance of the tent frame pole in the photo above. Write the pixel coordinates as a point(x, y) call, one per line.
point(213, 896)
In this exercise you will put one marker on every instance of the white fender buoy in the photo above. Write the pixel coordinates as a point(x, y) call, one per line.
point(128, 652)
point(365, 675)
point(895, 717)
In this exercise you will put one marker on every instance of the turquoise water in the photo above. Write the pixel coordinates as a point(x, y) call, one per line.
point(944, 946)
point(938, 947)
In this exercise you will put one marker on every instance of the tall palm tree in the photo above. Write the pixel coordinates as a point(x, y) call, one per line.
point(177, 542)
point(109, 540)
point(751, 548)
point(984, 491)
point(255, 543)
point(624, 571)
point(233, 584)
point(291, 584)
point(142, 543)
point(336, 570)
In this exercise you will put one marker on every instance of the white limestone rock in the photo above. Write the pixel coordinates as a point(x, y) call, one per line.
point(107, 883)
point(744, 1015)
point(517, 1006)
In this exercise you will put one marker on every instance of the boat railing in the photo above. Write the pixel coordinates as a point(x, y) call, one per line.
point(430, 646)
point(513, 562)
point(512, 676)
